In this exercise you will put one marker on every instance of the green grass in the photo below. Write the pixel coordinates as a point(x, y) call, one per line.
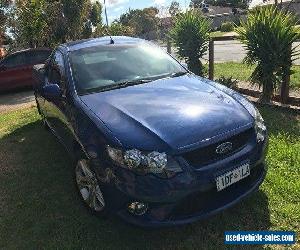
point(217, 33)
point(39, 206)
point(242, 72)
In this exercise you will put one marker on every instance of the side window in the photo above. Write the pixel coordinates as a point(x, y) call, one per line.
point(37, 56)
point(14, 61)
point(56, 70)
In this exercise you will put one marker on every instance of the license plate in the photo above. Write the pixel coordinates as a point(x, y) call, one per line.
point(233, 176)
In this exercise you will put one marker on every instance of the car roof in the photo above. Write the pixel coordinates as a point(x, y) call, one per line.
point(31, 49)
point(106, 40)
point(26, 50)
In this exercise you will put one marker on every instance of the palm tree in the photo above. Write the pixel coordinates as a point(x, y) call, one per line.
point(191, 36)
point(268, 35)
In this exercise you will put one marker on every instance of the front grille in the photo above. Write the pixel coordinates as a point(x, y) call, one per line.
point(205, 155)
point(202, 202)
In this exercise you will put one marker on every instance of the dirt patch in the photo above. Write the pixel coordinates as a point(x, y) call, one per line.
point(248, 85)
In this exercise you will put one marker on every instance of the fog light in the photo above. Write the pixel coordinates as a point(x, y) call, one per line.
point(137, 208)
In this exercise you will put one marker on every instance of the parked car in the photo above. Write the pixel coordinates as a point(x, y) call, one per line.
point(153, 143)
point(16, 68)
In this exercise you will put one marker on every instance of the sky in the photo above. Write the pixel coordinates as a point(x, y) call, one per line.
point(116, 7)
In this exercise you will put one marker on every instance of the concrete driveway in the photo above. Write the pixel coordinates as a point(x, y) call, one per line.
point(13, 101)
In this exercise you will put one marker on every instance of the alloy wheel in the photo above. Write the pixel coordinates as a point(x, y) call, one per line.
point(88, 186)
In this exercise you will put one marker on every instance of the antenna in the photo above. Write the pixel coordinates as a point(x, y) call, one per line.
point(105, 11)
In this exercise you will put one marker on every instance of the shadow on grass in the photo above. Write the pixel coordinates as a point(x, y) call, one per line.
point(40, 207)
point(280, 121)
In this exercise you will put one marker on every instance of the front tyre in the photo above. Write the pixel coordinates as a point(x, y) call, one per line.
point(89, 188)
point(44, 122)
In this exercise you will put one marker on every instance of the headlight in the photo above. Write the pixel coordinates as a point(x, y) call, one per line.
point(143, 163)
point(259, 126)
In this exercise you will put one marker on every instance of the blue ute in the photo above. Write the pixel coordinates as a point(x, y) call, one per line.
point(152, 142)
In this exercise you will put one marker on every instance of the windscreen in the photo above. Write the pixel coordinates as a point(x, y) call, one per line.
point(97, 68)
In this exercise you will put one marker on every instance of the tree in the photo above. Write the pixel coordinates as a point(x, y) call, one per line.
point(174, 8)
point(33, 33)
point(76, 13)
point(95, 14)
point(144, 22)
point(117, 29)
point(95, 20)
point(191, 36)
point(127, 16)
point(4, 4)
point(54, 21)
point(268, 35)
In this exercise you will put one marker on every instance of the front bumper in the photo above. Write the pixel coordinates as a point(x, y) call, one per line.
point(189, 196)
point(213, 207)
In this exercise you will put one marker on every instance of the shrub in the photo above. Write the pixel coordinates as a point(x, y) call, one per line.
point(115, 29)
point(228, 82)
point(191, 36)
point(227, 27)
point(268, 35)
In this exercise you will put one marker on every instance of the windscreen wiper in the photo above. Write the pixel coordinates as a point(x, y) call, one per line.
point(116, 86)
point(180, 73)
point(133, 82)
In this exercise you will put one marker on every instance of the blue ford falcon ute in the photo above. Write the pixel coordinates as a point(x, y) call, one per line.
point(152, 142)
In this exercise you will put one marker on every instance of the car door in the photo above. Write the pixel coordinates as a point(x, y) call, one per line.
point(58, 111)
point(14, 72)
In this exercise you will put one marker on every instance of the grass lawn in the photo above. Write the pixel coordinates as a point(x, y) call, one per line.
point(217, 33)
point(39, 206)
point(242, 72)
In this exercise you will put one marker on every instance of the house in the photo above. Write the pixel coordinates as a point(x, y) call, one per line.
point(293, 6)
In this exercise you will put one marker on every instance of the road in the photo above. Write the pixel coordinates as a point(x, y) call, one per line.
point(230, 51)
point(13, 101)
point(226, 51)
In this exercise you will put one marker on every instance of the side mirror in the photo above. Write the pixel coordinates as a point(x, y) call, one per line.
point(51, 91)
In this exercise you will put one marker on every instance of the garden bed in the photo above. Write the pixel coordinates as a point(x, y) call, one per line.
point(250, 90)
point(242, 73)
